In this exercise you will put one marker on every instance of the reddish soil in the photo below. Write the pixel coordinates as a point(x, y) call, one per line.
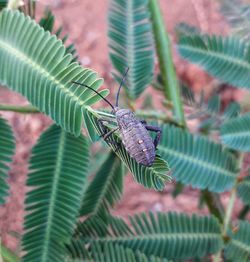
point(85, 22)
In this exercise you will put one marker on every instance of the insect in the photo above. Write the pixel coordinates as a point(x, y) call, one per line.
point(134, 133)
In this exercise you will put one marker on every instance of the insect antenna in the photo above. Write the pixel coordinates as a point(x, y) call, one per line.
point(118, 92)
point(77, 83)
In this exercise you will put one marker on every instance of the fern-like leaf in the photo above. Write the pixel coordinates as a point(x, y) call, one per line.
point(237, 14)
point(238, 248)
point(150, 177)
point(183, 29)
point(109, 253)
point(197, 161)
point(225, 58)
point(58, 171)
point(235, 133)
point(232, 110)
point(35, 64)
point(164, 235)
point(106, 187)
point(243, 190)
point(7, 147)
point(131, 44)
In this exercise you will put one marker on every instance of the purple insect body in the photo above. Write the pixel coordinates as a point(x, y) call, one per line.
point(134, 133)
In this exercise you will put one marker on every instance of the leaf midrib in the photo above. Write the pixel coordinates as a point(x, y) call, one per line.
point(162, 236)
point(196, 161)
point(213, 53)
point(25, 59)
point(241, 134)
point(241, 245)
point(53, 197)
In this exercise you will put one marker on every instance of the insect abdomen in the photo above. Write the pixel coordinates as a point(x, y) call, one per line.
point(139, 144)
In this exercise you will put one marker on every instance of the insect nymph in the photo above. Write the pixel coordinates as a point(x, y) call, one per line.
point(134, 133)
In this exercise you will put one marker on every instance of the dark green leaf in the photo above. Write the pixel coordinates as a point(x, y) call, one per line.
point(7, 147)
point(58, 171)
point(197, 161)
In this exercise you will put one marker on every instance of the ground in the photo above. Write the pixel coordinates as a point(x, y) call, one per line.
point(85, 22)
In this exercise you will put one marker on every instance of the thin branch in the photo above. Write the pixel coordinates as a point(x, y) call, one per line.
point(19, 109)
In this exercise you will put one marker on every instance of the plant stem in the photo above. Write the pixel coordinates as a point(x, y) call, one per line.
point(8, 255)
point(19, 109)
point(163, 48)
point(214, 204)
point(229, 211)
point(227, 219)
point(156, 115)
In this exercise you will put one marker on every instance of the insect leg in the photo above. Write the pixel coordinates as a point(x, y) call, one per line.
point(144, 122)
point(158, 135)
point(102, 126)
point(108, 134)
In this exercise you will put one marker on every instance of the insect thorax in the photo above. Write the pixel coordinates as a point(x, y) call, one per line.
point(125, 118)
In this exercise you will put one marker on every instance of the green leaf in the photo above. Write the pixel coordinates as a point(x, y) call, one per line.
point(7, 147)
point(226, 58)
point(150, 177)
point(131, 44)
point(237, 14)
point(106, 187)
point(110, 253)
point(197, 161)
point(165, 235)
point(214, 104)
point(232, 110)
point(48, 20)
point(238, 249)
point(183, 29)
point(35, 64)
point(243, 190)
point(58, 171)
point(235, 133)
point(3, 3)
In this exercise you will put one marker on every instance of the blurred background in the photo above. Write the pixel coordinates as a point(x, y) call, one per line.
point(86, 23)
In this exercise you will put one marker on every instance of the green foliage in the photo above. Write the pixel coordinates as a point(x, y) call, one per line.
point(183, 29)
point(235, 133)
point(35, 64)
point(197, 161)
point(165, 235)
point(47, 22)
point(111, 253)
point(226, 58)
point(237, 14)
point(238, 248)
point(131, 44)
point(7, 148)
point(150, 177)
point(243, 190)
point(232, 110)
point(105, 189)
point(58, 171)
point(3, 4)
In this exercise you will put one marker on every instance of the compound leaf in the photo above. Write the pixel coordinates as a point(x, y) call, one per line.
point(7, 147)
point(197, 161)
point(238, 248)
point(35, 64)
point(131, 44)
point(164, 235)
point(106, 187)
point(58, 171)
point(226, 58)
point(235, 133)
